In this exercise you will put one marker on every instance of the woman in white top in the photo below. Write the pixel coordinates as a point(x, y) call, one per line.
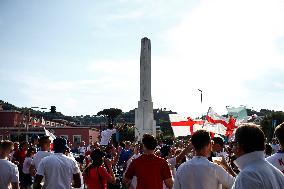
point(26, 181)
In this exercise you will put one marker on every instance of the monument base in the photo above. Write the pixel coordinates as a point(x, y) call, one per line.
point(144, 120)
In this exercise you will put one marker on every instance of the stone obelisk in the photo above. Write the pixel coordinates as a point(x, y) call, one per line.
point(144, 117)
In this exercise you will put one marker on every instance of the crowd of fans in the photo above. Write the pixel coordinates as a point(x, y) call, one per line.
point(246, 162)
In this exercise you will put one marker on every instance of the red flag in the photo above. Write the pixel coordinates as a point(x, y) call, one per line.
point(35, 122)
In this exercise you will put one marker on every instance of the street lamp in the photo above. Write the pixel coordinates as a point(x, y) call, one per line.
point(200, 95)
point(201, 101)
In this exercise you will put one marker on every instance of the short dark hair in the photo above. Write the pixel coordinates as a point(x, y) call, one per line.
point(268, 149)
point(43, 140)
point(30, 151)
point(23, 143)
point(149, 142)
point(200, 139)
point(250, 138)
point(122, 144)
point(97, 157)
point(279, 133)
point(110, 126)
point(165, 150)
point(6, 145)
point(60, 145)
point(218, 140)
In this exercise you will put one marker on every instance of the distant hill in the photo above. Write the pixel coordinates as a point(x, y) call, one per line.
point(161, 116)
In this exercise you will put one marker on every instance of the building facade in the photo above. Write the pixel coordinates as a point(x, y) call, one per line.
point(13, 127)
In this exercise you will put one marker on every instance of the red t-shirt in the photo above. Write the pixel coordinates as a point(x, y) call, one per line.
point(20, 156)
point(93, 181)
point(150, 171)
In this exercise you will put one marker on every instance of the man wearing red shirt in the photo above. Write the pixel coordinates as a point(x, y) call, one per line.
point(19, 156)
point(151, 171)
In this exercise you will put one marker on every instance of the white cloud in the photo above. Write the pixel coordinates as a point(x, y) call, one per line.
point(218, 47)
point(126, 15)
point(126, 66)
point(114, 84)
point(278, 85)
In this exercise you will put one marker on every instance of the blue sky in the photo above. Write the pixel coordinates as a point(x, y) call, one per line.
point(83, 56)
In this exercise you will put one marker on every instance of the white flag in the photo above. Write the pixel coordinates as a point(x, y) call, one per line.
point(51, 136)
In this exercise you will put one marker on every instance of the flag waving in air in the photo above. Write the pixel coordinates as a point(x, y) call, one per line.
point(214, 118)
point(51, 137)
point(239, 113)
point(35, 121)
point(219, 124)
point(183, 126)
point(48, 133)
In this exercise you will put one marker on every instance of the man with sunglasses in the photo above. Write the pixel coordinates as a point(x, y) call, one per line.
point(255, 171)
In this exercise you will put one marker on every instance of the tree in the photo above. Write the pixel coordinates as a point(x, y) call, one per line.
point(127, 133)
point(269, 123)
point(110, 114)
point(53, 109)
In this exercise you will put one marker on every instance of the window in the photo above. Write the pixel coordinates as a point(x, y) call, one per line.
point(76, 139)
point(64, 136)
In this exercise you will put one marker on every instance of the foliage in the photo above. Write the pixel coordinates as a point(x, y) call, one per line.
point(160, 115)
point(163, 120)
point(270, 121)
point(53, 109)
point(110, 114)
point(127, 134)
point(128, 117)
point(8, 106)
point(262, 112)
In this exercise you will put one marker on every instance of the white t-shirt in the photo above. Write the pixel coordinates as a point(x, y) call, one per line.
point(58, 171)
point(38, 156)
point(200, 173)
point(172, 164)
point(106, 135)
point(277, 160)
point(257, 173)
point(82, 150)
point(8, 173)
point(27, 164)
point(275, 148)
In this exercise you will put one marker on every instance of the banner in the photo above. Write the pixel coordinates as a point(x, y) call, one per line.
point(219, 124)
point(183, 126)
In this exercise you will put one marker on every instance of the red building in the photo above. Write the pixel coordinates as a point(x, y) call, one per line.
point(77, 134)
point(13, 128)
point(10, 118)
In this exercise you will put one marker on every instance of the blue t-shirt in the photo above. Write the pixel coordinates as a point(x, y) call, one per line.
point(124, 156)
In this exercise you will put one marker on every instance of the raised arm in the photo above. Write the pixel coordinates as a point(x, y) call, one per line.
point(185, 151)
